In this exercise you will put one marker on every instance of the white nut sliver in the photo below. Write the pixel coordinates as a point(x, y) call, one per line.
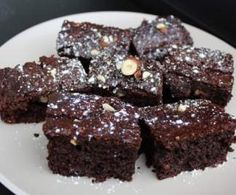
point(118, 66)
point(43, 99)
point(53, 72)
point(145, 75)
point(91, 80)
point(108, 107)
point(94, 52)
point(161, 26)
point(105, 39)
point(182, 107)
point(73, 142)
point(129, 67)
point(101, 78)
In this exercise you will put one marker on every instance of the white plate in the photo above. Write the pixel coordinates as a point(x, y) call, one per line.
point(23, 165)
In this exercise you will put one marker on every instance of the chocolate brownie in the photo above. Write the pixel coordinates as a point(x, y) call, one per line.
point(87, 40)
point(188, 135)
point(134, 80)
point(152, 38)
point(24, 89)
point(92, 136)
point(198, 73)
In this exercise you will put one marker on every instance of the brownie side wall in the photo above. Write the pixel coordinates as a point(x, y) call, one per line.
point(217, 95)
point(189, 155)
point(93, 158)
point(147, 142)
point(184, 88)
point(34, 112)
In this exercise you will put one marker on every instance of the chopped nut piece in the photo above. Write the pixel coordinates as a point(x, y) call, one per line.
point(94, 52)
point(166, 167)
point(108, 107)
point(77, 24)
point(145, 75)
point(101, 78)
point(105, 41)
point(120, 94)
point(118, 66)
point(177, 138)
point(162, 27)
point(138, 74)
point(53, 72)
point(182, 108)
point(73, 142)
point(199, 92)
point(43, 99)
point(91, 80)
point(130, 66)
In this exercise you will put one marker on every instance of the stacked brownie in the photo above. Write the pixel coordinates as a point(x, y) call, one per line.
point(114, 93)
point(198, 73)
point(24, 89)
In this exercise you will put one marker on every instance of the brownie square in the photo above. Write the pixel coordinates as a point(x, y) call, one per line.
point(128, 77)
point(88, 40)
point(191, 134)
point(92, 136)
point(24, 89)
point(152, 38)
point(198, 73)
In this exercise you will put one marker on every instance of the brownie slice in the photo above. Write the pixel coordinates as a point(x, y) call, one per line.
point(128, 77)
point(152, 38)
point(188, 135)
point(24, 89)
point(92, 136)
point(198, 73)
point(88, 40)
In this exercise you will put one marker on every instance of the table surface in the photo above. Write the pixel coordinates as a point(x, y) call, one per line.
point(212, 16)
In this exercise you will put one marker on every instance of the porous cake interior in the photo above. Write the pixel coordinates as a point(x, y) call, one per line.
point(92, 158)
point(186, 155)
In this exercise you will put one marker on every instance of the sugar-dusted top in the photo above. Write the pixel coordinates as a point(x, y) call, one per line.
point(69, 74)
point(120, 73)
point(201, 64)
point(80, 116)
point(33, 80)
point(84, 39)
point(23, 83)
point(187, 120)
point(154, 35)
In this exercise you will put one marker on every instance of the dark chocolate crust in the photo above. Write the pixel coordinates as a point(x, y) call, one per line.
point(88, 40)
point(73, 126)
point(191, 134)
point(199, 73)
point(152, 38)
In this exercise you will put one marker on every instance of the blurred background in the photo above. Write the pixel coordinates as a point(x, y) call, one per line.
point(215, 16)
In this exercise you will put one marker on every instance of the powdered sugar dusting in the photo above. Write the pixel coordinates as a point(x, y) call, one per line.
point(85, 109)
